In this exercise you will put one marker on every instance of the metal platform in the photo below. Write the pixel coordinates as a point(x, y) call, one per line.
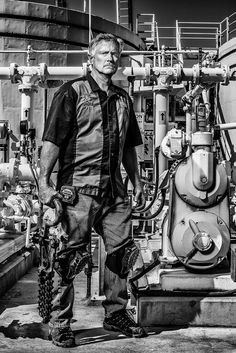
point(175, 296)
point(167, 310)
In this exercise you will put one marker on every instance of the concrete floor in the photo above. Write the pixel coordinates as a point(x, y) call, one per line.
point(21, 329)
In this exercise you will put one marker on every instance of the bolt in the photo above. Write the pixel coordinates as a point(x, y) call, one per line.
point(204, 180)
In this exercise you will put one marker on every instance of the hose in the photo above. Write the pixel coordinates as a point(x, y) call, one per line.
point(157, 152)
point(151, 216)
point(155, 263)
point(33, 171)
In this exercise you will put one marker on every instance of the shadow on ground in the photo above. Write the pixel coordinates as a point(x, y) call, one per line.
point(85, 336)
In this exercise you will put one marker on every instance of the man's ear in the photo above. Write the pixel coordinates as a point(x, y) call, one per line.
point(90, 59)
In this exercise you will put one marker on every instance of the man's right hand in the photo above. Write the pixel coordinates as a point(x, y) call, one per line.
point(47, 194)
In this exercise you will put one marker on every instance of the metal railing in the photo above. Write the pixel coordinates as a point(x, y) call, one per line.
point(207, 35)
point(228, 28)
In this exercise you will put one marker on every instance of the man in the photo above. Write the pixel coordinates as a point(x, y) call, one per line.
point(91, 129)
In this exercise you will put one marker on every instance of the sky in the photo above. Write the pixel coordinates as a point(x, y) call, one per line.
point(167, 12)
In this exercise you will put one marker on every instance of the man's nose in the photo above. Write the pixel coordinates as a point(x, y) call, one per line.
point(110, 57)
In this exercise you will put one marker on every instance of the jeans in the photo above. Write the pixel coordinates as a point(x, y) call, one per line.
point(111, 219)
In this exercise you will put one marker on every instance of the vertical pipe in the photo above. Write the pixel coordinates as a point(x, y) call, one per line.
point(130, 15)
point(161, 114)
point(227, 29)
point(90, 22)
point(101, 265)
point(26, 104)
point(188, 122)
point(45, 103)
point(188, 116)
point(85, 5)
point(117, 12)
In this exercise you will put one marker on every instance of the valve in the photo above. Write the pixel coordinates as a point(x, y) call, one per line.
point(174, 144)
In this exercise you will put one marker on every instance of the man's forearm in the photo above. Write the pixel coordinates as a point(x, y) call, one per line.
point(130, 164)
point(48, 158)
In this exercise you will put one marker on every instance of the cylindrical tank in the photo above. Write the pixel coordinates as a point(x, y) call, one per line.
point(226, 100)
point(45, 27)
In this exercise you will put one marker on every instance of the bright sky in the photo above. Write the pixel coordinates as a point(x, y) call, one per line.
point(167, 12)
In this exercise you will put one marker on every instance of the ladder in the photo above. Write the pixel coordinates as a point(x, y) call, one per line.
point(124, 13)
point(146, 28)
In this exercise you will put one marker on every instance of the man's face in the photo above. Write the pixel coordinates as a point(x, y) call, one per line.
point(105, 58)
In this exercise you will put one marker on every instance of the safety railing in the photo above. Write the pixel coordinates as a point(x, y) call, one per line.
point(198, 34)
point(207, 35)
point(227, 28)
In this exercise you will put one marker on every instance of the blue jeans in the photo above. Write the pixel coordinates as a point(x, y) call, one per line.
point(111, 219)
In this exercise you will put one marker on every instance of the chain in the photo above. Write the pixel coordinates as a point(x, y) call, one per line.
point(45, 294)
point(48, 248)
point(174, 166)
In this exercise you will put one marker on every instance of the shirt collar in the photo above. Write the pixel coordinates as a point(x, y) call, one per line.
point(94, 86)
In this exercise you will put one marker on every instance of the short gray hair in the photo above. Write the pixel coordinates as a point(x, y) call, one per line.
point(107, 37)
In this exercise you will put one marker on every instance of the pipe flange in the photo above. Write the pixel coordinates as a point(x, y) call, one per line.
point(178, 73)
point(226, 75)
point(14, 74)
point(147, 72)
point(43, 72)
point(196, 74)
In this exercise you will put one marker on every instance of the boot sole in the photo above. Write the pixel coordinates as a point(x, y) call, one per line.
point(81, 266)
point(115, 328)
point(130, 261)
point(61, 344)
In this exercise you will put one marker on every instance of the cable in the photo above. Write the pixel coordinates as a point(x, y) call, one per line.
point(160, 207)
point(34, 175)
point(141, 274)
point(157, 152)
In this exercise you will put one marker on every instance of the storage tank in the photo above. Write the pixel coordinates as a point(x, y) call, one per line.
point(45, 27)
point(226, 98)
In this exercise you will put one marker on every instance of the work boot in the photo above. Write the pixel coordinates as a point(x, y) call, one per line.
point(61, 336)
point(77, 263)
point(123, 321)
point(129, 258)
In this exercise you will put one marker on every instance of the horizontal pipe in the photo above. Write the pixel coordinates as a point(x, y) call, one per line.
point(69, 72)
point(227, 126)
point(124, 52)
point(65, 73)
point(4, 73)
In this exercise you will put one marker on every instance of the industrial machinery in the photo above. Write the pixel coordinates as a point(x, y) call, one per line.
point(190, 250)
point(188, 222)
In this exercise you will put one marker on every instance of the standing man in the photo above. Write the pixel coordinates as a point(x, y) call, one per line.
point(91, 129)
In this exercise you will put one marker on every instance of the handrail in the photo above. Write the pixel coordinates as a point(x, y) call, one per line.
point(213, 34)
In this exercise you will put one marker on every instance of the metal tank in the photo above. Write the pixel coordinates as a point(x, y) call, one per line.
point(32, 26)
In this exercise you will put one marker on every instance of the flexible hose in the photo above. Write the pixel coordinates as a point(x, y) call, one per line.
point(156, 263)
point(157, 152)
point(151, 216)
point(141, 274)
point(33, 171)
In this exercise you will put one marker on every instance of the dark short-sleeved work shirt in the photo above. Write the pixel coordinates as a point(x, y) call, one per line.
point(92, 129)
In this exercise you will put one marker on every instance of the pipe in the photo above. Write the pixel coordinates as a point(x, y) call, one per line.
point(177, 73)
point(161, 117)
point(141, 274)
point(155, 214)
point(227, 126)
point(85, 51)
point(157, 152)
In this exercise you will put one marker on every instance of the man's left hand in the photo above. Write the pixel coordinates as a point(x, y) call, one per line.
point(139, 199)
